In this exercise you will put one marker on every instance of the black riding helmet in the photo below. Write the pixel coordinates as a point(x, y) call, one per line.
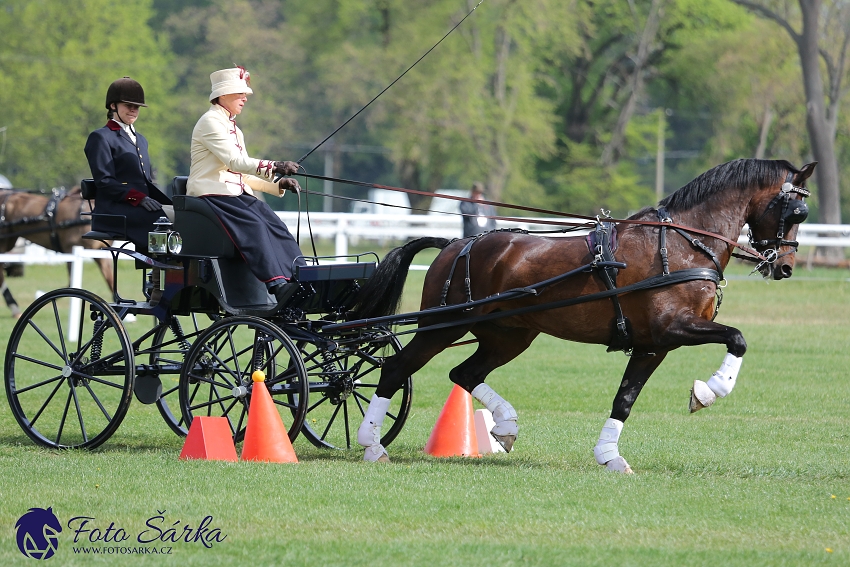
point(125, 90)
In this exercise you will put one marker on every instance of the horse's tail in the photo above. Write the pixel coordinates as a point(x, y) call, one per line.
point(381, 294)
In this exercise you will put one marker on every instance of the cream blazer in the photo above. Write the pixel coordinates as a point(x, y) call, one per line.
point(220, 164)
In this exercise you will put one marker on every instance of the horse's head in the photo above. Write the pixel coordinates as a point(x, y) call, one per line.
point(774, 220)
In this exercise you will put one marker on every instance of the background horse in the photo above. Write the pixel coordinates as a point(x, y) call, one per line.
point(654, 321)
point(52, 221)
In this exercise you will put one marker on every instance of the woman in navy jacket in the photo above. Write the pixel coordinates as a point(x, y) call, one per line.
point(127, 201)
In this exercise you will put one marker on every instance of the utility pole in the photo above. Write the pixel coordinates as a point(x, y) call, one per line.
point(659, 155)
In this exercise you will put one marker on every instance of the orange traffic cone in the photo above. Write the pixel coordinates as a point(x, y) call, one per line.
point(454, 433)
point(265, 437)
point(209, 438)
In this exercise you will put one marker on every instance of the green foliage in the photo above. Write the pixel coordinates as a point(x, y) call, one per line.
point(524, 96)
point(57, 60)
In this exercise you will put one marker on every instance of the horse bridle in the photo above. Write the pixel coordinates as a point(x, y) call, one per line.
point(793, 211)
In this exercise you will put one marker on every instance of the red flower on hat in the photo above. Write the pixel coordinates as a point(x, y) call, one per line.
point(243, 74)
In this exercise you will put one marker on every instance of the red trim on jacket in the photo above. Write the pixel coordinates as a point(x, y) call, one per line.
point(135, 197)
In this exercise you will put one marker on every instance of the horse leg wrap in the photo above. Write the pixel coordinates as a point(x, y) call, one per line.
point(719, 385)
point(369, 434)
point(606, 451)
point(506, 429)
point(723, 381)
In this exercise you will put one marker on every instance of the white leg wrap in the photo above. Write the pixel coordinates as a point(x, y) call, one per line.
point(723, 381)
point(504, 413)
point(369, 434)
point(606, 448)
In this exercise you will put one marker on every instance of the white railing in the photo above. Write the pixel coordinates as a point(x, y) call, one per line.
point(346, 228)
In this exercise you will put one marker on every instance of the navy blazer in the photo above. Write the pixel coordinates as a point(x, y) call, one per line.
point(122, 174)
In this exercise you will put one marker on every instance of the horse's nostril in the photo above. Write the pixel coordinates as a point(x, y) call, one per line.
point(786, 271)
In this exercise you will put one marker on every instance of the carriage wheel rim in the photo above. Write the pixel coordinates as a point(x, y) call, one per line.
point(85, 394)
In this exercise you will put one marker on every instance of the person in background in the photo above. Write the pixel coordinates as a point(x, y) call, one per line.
point(475, 215)
point(223, 174)
point(127, 201)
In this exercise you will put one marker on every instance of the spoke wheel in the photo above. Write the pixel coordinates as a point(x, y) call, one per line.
point(342, 383)
point(170, 344)
point(69, 391)
point(216, 377)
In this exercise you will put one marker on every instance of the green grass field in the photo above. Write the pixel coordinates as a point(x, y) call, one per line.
point(760, 478)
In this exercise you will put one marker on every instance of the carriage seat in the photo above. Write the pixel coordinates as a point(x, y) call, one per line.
point(200, 228)
point(89, 191)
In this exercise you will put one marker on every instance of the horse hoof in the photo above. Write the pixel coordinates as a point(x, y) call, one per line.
point(506, 441)
point(701, 396)
point(376, 454)
point(619, 465)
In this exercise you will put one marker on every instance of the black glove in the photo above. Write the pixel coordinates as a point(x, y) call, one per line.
point(285, 168)
point(290, 184)
point(150, 204)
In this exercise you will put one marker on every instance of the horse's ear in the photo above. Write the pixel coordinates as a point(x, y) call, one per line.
point(805, 173)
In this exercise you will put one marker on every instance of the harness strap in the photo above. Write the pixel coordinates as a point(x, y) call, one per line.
point(664, 216)
point(621, 340)
point(463, 252)
point(679, 276)
point(50, 213)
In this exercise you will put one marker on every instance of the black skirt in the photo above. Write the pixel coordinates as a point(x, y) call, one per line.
point(261, 237)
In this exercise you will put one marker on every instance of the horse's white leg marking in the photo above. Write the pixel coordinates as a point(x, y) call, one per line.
point(506, 429)
point(606, 451)
point(369, 434)
point(720, 384)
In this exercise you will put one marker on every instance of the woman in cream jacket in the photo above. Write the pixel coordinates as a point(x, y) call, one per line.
point(225, 175)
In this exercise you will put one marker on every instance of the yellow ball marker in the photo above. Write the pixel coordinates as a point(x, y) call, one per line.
point(258, 376)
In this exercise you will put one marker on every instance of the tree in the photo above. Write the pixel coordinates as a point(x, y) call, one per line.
point(818, 40)
point(604, 89)
point(56, 61)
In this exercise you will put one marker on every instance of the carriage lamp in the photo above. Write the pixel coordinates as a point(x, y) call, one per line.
point(163, 239)
point(175, 242)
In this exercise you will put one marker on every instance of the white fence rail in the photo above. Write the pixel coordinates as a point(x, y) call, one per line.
point(347, 228)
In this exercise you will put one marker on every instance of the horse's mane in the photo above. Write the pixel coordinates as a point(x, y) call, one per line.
point(739, 173)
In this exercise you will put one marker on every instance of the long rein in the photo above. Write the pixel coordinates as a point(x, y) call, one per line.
point(757, 256)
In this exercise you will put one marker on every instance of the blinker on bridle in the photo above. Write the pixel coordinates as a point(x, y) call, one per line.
point(793, 211)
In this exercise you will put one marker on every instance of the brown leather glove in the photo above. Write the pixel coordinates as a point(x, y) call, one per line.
point(285, 168)
point(288, 184)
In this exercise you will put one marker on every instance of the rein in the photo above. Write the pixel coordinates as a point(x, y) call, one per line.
point(589, 219)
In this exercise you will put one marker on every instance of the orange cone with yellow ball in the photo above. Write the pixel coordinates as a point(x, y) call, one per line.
point(266, 438)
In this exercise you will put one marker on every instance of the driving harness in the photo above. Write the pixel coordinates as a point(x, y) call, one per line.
point(48, 215)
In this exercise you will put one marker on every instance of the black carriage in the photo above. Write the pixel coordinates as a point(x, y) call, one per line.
point(71, 369)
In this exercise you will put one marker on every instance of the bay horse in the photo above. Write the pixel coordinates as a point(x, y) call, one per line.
point(54, 221)
point(690, 233)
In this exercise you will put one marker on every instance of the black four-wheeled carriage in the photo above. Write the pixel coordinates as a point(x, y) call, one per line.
point(71, 368)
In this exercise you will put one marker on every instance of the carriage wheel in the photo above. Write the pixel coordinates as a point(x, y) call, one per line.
point(170, 344)
point(342, 383)
point(69, 370)
point(216, 378)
